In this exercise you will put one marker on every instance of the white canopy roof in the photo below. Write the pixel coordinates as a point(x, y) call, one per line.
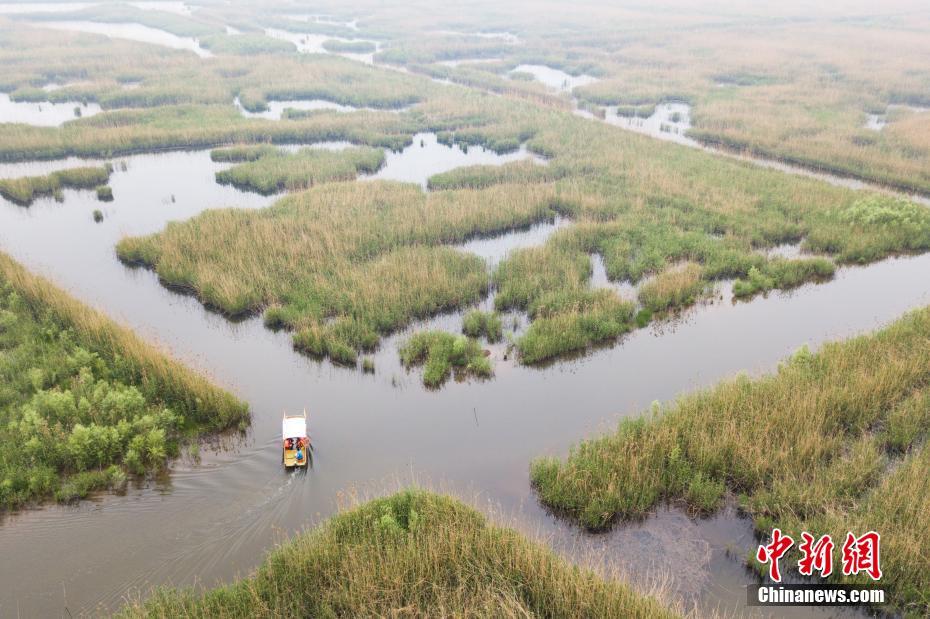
point(294, 427)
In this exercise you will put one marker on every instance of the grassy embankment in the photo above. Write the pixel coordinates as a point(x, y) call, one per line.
point(83, 401)
point(26, 189)
point(833, 441)
point(412, 554)
point(273, 171)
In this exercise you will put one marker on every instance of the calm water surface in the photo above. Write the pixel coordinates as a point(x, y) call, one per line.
point(208, 523)
point(555, 79)
point(132, 32)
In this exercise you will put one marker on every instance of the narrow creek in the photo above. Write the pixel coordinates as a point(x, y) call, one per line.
point(209, 522)
point(425, 156)
point(556, 79)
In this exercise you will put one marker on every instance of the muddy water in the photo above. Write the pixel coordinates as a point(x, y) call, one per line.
point(212, 521)
point(43, 113)
point(555, 78)
point(426, 157)
point(130, 31)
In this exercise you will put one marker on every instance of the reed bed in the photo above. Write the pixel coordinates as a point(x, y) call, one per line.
point(26, 189)
point(272, 172)
point(807, 448)
point(642, 205)
point(369, 253)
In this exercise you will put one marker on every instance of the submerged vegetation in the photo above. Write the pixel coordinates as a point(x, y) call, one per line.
point(25, 190)
point(83, 402)
point(832, 441)
point(417, 554)
point(440, 353)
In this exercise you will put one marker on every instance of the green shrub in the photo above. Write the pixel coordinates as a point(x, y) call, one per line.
point(105, 193)
point(440, 352)
point(479, 324)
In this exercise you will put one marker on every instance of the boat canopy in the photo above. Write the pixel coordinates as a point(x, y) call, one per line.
point(294, 427)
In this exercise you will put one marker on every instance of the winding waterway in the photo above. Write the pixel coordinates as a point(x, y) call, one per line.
point(209, 522)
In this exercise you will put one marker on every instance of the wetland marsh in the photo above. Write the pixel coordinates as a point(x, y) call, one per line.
point(464, 250)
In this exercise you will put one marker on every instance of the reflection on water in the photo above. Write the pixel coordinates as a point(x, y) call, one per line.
point(130, 31)
point(554, 78)
point(426, 157)
point(43, 113)
point(712, 551)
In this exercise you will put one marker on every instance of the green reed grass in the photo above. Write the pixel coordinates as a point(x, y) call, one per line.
point(415, 554)
point(441, 353)
point(807, 447)
point(26, 189)
point(275, 171)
